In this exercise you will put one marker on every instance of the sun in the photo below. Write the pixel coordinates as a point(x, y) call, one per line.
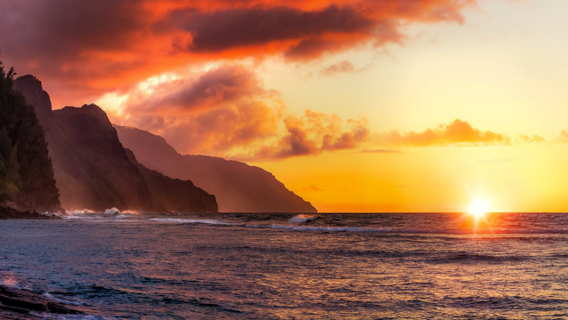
point(478, 208)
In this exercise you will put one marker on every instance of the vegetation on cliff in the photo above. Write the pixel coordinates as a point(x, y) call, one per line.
point(26, 173)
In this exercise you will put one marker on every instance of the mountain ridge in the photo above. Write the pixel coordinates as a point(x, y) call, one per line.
point(238, 186)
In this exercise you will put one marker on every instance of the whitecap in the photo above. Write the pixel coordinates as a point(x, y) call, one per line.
point(79, 212)
point(112, 211)
point(302, 218)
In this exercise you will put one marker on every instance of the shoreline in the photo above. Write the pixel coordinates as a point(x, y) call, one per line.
point(7, 213)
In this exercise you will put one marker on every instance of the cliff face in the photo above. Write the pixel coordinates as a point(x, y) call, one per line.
point(92, 169)
point(33, 91)
point(237, 186)
point(174, 194)
point(26, 173)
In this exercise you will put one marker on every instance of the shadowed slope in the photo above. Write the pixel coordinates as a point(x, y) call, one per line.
point(174, 194)
point(237, 186)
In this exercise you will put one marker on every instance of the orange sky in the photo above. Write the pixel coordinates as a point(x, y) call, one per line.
point(360, 105)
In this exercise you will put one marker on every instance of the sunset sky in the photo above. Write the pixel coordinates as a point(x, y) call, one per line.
point(365, 105)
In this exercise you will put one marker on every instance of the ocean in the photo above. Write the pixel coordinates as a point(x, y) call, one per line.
point(263, 266)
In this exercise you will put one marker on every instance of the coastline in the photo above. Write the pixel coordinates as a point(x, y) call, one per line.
point(10, 213)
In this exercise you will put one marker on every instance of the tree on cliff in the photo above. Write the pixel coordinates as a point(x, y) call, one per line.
point(26, 172)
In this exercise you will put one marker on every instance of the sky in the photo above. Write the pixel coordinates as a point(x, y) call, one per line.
point(365, 105)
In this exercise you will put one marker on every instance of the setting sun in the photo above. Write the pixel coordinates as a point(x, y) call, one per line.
point(478, 207)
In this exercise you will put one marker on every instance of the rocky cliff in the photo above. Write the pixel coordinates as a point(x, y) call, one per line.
point(175, 195)
point(26, 173)
point(237, 186)
point(92, 169)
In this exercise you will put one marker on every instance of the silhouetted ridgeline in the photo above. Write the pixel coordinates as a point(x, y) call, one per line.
point(237, 186)
point(176, 195)
point(26, 174)
point(91, 166)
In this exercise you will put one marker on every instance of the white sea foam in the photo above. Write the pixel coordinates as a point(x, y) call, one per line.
point(79, 212)
point(112, 211)
point(178, 220)
point(9, 281)
point(302, 218)
point(52, 297)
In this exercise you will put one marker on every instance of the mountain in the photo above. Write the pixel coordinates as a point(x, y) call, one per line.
point(26, 172)
point(237, 186)
point(92, 168)
point(176, 195)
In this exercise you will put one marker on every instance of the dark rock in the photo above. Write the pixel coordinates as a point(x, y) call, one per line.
point(174, 194)
point(32, 89)
point(9, 213)
point(25, 304)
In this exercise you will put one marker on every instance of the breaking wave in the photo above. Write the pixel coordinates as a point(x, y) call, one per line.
point(80, 212)
point(112, 211)
point(302, 218)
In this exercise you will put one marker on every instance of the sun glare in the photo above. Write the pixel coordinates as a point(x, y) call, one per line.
point(478, 208)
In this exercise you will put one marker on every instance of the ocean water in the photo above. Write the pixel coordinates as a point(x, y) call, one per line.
point(262, 266)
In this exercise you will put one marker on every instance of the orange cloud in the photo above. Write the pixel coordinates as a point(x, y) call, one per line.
point(227, 112)
point(221, 86)
point(311, 134)
point(457, 132)
point(82, 51)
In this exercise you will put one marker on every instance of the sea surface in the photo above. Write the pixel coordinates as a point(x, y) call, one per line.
point(263, 266)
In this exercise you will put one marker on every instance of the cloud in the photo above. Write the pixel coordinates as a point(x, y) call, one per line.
point(239, 27)
point(457, 132)
point(530, 139)
point(380, 151)
point(341, 67)
point(83, 51)
point(312, 188)
point(312, 134)
point(221, 86)
point(227, 112)
point(209, 113)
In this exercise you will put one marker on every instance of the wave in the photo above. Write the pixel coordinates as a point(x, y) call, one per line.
point(79, 212)
point(302, 218)
point(112, 211)
point(190, 221)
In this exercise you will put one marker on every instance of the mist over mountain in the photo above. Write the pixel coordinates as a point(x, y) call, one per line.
point(91, 166)
point(237, 186)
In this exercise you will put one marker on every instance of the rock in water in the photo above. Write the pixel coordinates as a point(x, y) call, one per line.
point(25, 304)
